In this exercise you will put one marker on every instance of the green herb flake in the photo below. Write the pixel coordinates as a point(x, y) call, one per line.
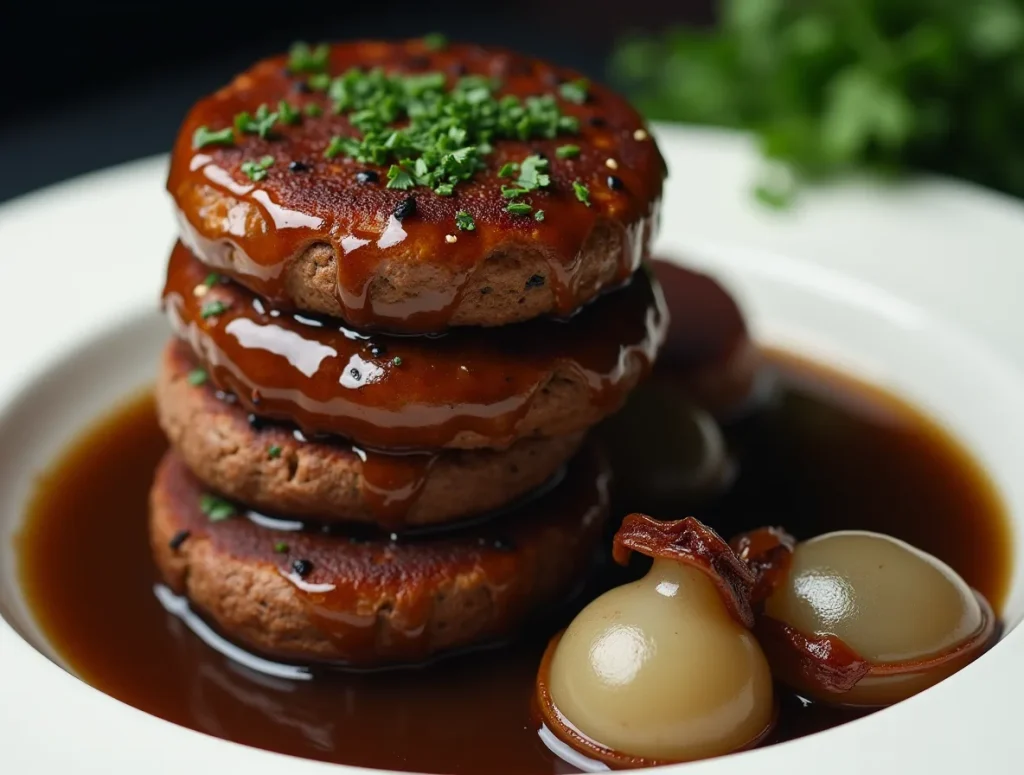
point(197, 377)
point(399, 178)
point(464, 221)
point(216, 509)
point(211, 279)
point(567, 151)
point(274, 452)
point(511, 192)
point(213, 308)
point(289, 113)
point(435, 41)
point(396, 361)
point(575, 91)
point(203, 137)
point(313, 110)
point(319, 82)
point(532, 175)
point(259, 123)
point(257, 170)
point(508, 169)
point(582, 192)
point(335, 147)
point(303, 59)
point(519, 208)
point(539, 215)
point(281, 547)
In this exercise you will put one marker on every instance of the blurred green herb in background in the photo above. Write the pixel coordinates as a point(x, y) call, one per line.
point(829, 86)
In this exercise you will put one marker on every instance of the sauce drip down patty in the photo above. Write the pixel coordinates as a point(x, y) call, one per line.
point(470, 388)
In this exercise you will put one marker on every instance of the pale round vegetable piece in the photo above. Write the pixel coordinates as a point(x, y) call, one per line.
point(659, 668)
point(887, 600)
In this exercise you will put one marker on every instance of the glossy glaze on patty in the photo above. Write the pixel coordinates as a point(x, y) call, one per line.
point(272, 468)
point(309, 596)
point(321, 234)
point(470, 388)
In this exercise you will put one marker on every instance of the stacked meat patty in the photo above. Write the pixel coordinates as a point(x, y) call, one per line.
point(408, 283)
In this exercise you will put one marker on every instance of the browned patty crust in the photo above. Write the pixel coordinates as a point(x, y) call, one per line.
point(273, 469)
point(469, 388)
point(308, 596)
point(327, 234)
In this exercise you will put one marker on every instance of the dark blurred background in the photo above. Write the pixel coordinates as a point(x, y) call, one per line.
point(92, 84)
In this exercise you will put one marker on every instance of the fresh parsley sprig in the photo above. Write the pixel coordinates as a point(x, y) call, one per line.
point(831, 87)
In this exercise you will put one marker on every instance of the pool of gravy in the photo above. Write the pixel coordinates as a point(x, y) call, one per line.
point(824, 452)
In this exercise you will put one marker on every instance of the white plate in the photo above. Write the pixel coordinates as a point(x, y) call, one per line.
point(913, 287)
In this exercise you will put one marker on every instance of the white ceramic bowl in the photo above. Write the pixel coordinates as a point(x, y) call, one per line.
point(913, 288)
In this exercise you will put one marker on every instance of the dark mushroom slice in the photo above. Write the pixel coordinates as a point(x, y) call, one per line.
point(664, 669)
point(862, 619)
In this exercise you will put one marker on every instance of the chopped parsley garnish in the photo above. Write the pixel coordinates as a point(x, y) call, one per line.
point(508, 169)
point(464, 221)
point(435, 136)
point(435, 41)
point(212, 309)
point(396, 361)
point(197, 377)
point(261, 123)
point(575, 91)
point(211, 279)
point(519, 208)
point(531, 174)
point(203, 137)
point(511, 192)
point(319, 82)
point(274, 452)
point(399, 178)
point(216, 509)
point(539, 215)
point(289, 114)
point(313, 110)
point(303, 59)
point(281, 547)
point(567, 151)
point(582, 192)
point(257, 170)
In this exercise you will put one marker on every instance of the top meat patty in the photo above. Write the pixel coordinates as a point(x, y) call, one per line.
point(409, 188)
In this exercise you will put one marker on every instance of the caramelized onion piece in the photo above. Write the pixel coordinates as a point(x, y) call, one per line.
point(663, 669)
point(863, 619)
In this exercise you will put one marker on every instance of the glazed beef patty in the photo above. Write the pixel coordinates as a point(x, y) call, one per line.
point(309, 596)
point(470, 388)
point(314, 202)
point(273, 469)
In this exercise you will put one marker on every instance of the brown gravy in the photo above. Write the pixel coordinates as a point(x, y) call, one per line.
point(827, 453)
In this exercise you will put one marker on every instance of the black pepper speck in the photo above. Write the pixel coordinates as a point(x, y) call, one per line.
point(256, 423)
point(178, 539)
point(378, 350)
point(302, 568)
point(485, 290)
point(597, 121)
point(405, 208)
point(615, 183)
point(367, 176)
point(298, 166)
point(301, 87)
point(536, 281)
